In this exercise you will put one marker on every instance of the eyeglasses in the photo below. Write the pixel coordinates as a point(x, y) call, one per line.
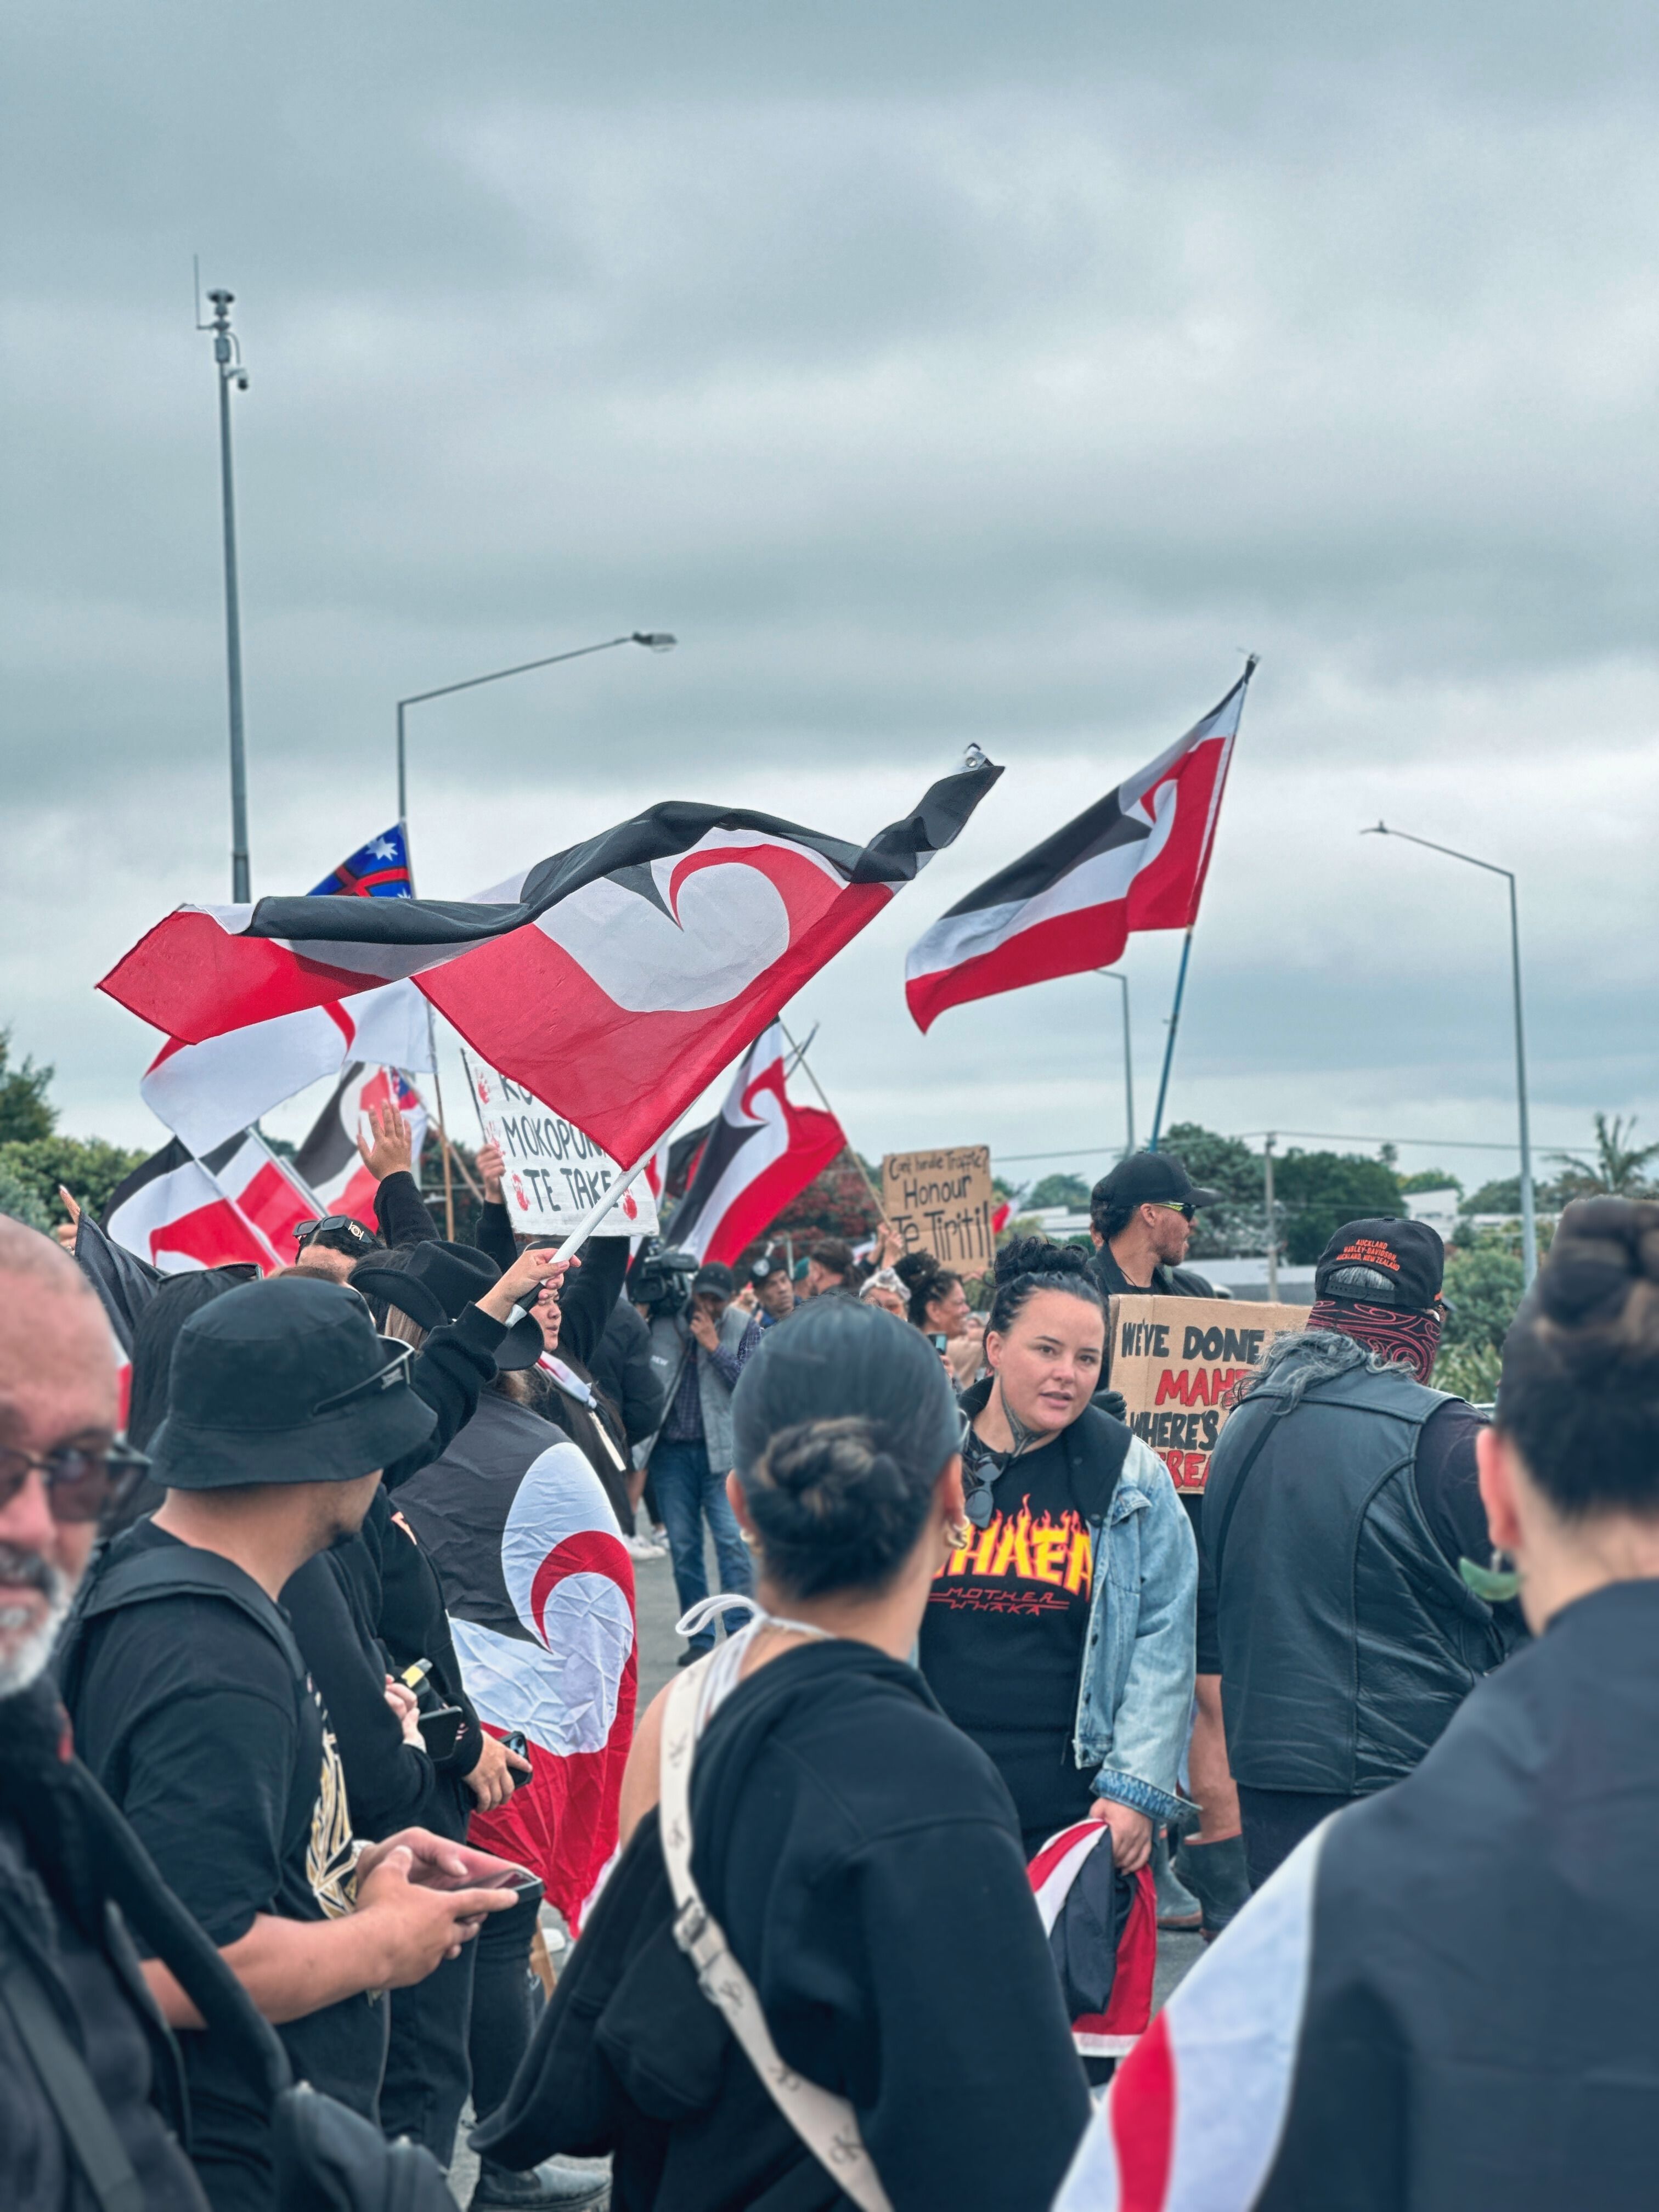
point(81, 1485)
point(395, 1371)
point(305, 1232)
point(1183, 1207)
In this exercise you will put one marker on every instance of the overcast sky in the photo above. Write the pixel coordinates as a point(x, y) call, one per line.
point(937, 374)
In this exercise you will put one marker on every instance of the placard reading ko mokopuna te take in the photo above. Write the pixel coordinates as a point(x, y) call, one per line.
point(1177, 1360)
point(552, 1173)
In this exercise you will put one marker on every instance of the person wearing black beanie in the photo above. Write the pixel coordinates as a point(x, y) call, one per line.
point(857, 1855)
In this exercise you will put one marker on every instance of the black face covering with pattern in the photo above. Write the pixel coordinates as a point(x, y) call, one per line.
point(1396, 1334)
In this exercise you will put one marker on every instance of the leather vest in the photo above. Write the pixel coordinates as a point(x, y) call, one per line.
point(1348, 1640)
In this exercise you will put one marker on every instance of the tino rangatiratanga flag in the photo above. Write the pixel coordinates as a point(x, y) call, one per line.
point(613, 979)
point(762, 1151)
point(1135, 859)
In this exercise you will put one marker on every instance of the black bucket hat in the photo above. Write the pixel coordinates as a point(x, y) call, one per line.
point(285, 1381)
point(435, 1282)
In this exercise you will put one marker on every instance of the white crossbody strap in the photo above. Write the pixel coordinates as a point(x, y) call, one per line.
point(828, 2125)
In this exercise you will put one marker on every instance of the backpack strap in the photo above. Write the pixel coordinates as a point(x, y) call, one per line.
point(89, 2134)
point(827, 2124)
point(128, 1577)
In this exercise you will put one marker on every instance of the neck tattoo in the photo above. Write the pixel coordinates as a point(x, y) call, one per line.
point(1023, 1437)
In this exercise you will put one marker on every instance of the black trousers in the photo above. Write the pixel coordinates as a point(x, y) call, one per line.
point(427, 2075)
point(1276, 1820)
point(504, 2004)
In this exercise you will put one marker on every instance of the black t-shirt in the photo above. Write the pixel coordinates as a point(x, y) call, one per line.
point(1003, 1636)
point(189, 1715)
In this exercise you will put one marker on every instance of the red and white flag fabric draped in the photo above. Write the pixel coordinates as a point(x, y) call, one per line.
point(1193, 2120)
point(1103, 1932)
point(540, 1592)
point(1135, 859)
point(328, 1159)
point(614, 981)
point(762, 1151)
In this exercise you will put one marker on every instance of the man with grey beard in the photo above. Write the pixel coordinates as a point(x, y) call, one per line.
point(89, 2076)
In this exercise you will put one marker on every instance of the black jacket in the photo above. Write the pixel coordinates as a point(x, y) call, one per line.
point(57, 1926)
point(621, 1367)
point(1479, 2027)
point(864, 1860)
point(1348, 1640)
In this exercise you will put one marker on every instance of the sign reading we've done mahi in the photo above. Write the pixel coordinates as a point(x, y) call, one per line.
point(1177, 1360)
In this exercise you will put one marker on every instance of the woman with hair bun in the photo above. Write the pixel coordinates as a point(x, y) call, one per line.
point(1058, 1632)
point(938, 1303)
point(1445, 1996)
point(858, 1877)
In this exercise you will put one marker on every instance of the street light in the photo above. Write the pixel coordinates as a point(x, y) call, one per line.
point(1113, 975)
point(655, 640)
point(228, 355)
point(1528, 1218)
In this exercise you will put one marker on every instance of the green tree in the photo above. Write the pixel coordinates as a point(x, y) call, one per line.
point(1431, 1179)
point(1067, 1190)
point(26, 1112)
point(88, 1168)
point(1484, 1282)
point(19, 1201)
point(1619, 1170)
point(1317, 1192)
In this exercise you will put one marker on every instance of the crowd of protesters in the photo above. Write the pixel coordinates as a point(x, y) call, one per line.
point(980, 1700)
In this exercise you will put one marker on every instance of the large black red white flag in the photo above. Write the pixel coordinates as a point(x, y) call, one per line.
point(762, 1151)
point(1135, 859)
point(540, 1592)
point(613, 981)
point(329, 1161)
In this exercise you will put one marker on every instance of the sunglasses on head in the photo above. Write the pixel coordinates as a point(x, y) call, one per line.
point(81, 1483)
point(306, 1232)
point(1183, 1207)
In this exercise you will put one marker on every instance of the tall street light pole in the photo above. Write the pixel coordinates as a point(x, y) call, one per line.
point(227, 355)
point(1114, 975)
point(1528, 1216)
point(655, 640)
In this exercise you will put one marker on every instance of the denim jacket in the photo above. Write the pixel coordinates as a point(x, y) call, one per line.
point(1134, 1702)
point(1135, 1695)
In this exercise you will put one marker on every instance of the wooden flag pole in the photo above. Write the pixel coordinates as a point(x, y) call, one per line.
point(801, 1060)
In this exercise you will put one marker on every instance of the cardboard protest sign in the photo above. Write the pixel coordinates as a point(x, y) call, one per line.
point(553, 1172)
point(1176, 1359)
point(941, 1202)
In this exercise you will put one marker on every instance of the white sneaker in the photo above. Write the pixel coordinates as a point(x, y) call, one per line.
point(643, 1548)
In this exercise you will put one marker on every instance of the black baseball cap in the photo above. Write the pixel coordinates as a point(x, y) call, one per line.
point(285, 1381)
point(1151, 1178)
point(1383, 1261)
point(763, 1264)
point(714, 1279)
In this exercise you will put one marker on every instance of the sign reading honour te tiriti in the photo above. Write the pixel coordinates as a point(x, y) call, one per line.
point(553, 1173)
point(1177, 1361)
point(940, 1202)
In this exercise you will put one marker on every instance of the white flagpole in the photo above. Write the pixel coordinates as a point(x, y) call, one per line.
point(607, 1198)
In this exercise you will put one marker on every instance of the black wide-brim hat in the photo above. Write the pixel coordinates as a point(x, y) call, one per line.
point(285, 1381)
point(436, 1282)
